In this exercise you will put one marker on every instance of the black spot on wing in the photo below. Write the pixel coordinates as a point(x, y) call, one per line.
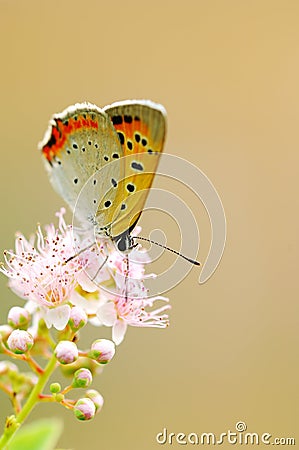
point(128, 119)
point(51, 141)
point(117, 120)
point(130, 187)
point(137, 166)
point(121, 137)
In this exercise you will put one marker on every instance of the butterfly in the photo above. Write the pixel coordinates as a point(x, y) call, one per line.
point(102, 162)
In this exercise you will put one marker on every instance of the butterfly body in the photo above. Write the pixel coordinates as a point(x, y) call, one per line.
point(102, 162)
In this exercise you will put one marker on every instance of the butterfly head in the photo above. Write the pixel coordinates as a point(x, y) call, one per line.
point(123, 242)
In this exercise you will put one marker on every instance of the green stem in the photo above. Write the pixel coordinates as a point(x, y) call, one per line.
point(13, 423)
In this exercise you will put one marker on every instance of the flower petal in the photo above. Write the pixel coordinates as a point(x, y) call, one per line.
point(58, 317)
point(86, 283)
point(118, 331)
point(89, 305)
point(107, 314)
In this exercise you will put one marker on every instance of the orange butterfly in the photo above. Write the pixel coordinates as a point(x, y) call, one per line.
point(107, 159)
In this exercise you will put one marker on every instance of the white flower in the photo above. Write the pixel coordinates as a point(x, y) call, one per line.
point(54, 275)
point(121, 312)
point(37, 269)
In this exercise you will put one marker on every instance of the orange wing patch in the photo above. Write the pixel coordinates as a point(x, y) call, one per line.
point(133, 135)
point(61, 131)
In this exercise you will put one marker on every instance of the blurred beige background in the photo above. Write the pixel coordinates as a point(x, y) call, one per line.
point(227, 73)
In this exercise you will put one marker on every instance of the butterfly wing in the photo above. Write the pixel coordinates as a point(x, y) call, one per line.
point(77, 149)
point(141, 127)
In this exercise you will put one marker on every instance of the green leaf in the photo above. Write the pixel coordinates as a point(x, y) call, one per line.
point(40, 435)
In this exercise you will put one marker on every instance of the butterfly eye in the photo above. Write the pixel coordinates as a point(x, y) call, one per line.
point(125, 243)
point(122, 244)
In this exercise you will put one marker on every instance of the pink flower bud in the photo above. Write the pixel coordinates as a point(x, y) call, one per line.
point(18, 317)
point(97, 399)
point(78, 318)
point(66, 352)
point(82, 378)
point(20, 341)
point(102, 350)
point(84, 409)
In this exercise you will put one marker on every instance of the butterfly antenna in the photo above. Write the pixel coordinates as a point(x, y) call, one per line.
point(192, 261)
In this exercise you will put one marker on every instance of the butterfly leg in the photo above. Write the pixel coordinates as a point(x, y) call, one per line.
point(103, 251)
point(100, 268)
point(127, 263)
point(79, 253)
